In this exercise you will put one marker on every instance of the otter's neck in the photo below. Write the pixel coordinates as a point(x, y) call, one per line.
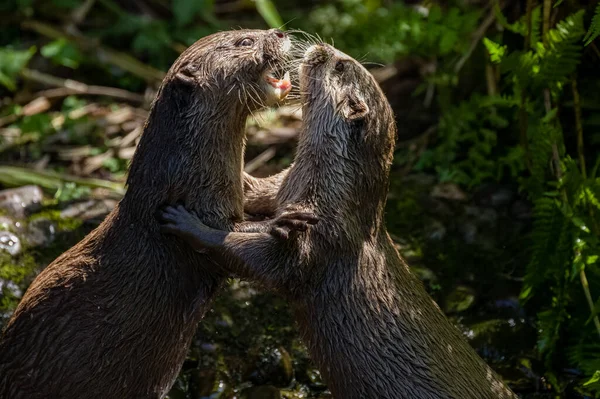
point(191, 152)
point(339, 180)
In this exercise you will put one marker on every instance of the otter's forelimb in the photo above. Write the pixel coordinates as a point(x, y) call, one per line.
point(262, 251)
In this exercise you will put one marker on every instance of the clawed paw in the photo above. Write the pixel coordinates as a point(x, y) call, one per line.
point(175, 219)
point(291, 223)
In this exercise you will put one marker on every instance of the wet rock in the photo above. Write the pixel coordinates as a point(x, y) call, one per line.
point(435, 230)
point(10, 243)
point(521, 210)
point(91, 209)
point(20, 201)
point(40, 232)
point(494, 195)
point(203, 382)
point(469, 231)
point(6, 223)
point(261, 392)
point(449, 191)
point(272, 365)
point(325, 395)
point(481, 215)
point(12, 288)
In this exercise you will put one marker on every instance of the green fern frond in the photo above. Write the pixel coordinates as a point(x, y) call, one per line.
point(541, 136)
point(594, 30)
point(559, 59)
point(552, 248)
point(585, 356)
point(536, 24)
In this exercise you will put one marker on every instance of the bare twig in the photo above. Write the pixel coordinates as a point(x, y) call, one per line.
point(260, 160)
point(78, 15)
point(67, 87)
point(485, 25)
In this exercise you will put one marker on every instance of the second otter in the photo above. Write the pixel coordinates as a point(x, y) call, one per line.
point(368, 322)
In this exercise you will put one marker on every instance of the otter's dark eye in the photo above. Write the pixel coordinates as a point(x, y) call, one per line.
point(247, 42)
point(339, 66)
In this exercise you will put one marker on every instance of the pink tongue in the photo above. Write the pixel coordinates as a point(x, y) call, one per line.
point(283, 84)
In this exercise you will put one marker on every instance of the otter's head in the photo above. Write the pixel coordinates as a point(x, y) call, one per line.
point(241, 65)
point(347, 116)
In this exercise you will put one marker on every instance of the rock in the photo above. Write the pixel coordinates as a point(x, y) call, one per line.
point(521, 210)
point(202, 383)
point(10, 243)
point(449, 191)
point(91, 209)
point(494, 195)
point(435, 230)
point(272, 365)
point(19, 201)
point(261, 392)
point(40, 232)
point(6, 223)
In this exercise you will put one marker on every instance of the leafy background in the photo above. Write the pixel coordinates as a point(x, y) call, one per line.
point(494, 100)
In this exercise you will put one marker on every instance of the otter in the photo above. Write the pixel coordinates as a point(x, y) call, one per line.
point(113, 317)
point(368, 322)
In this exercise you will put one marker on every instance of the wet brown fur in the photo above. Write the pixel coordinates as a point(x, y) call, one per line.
point(368, 322)
point(113, 317)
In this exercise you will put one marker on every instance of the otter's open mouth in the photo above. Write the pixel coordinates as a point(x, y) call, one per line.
point(278, 88)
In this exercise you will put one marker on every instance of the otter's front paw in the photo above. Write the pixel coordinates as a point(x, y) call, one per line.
point(178, 221)
point(290, 223)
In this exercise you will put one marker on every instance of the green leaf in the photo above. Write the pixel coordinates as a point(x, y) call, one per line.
point(594, 380)
point(63, 53)
point(12, 63)
point(496, 50)
point(594, 30)
point(269, 13)
point(185, 10)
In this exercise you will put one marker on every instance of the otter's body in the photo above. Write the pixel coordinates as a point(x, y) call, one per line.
point(368, 322)
point(113, 317)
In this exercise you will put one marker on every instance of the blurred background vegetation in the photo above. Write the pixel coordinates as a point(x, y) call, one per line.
point(495, 194)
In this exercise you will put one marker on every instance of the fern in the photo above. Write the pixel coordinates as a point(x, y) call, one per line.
point(559, 59)
point(594, 30)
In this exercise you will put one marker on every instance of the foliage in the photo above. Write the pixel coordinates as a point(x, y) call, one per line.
point(594, 30)
point(12, 63)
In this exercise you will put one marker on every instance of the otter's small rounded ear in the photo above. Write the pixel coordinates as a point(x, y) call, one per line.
point(354, 108)
point(186, 74)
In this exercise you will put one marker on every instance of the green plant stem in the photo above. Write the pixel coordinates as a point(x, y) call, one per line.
point(16, 176)
point(546, 23)
point(578, 126)
point(523, 122)
point(588, 296)
point(581, 155)
point(528, 16)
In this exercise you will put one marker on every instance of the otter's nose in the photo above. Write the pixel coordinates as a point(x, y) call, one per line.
point(279, 33)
